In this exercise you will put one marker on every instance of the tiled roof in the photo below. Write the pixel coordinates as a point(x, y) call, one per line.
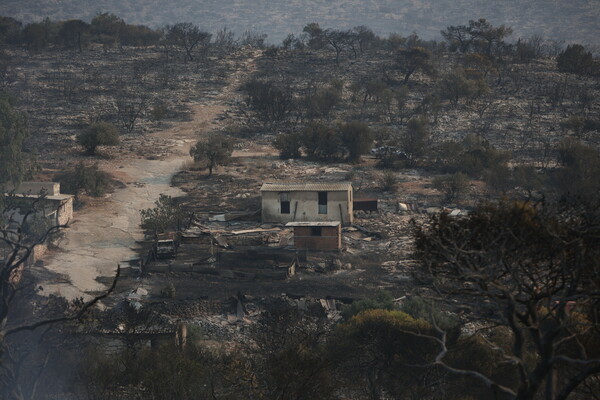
point(306, 187)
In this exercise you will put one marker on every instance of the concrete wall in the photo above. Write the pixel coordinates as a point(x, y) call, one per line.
point(65, 212)
point(51, 188)
point(330, 239)
point(58, 212)
point(304, 206)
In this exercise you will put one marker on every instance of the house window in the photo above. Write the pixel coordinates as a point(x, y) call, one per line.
point(284, 199)
point(315, 231)
point(322, 202)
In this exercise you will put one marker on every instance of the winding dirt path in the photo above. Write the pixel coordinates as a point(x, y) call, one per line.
point(102, 236)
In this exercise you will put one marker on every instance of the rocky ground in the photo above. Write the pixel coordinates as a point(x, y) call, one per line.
point(521, 115)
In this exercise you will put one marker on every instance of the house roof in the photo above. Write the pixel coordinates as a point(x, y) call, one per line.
point(58, 197)
point(306, 187)
point(314, 223)
point(34, 188)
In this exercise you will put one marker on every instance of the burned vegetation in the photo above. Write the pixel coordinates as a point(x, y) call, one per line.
point(366, 217)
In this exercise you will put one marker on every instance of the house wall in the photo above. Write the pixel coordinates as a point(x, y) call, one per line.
point(65, 212)
point(304, 206)
point(56, 212)
point(61, 211)
point(330, 239)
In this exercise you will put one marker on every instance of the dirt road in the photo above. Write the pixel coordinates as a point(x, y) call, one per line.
point(102, 236)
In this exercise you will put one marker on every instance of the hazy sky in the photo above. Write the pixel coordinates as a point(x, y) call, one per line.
point(573, 20)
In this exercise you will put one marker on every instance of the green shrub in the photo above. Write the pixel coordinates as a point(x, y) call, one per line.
point(453, 187)
point(472, 156)
point(382, 300)
point(388, 181)
point(321, 142)
point(356, 137)
point(415, 140)
point(321, 103)
point(84, 178)
point(419, 308)
point(288, 145)
point(166, 215)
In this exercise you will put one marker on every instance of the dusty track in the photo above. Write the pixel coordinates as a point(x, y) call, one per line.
point(102, 236)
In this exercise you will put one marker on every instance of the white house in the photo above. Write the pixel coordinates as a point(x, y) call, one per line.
point(292, 202)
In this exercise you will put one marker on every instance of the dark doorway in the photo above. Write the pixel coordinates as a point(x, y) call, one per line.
point(284, 198)
point(322, 202)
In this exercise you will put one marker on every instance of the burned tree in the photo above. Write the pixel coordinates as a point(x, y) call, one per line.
point(17, 246)
point(532, 268)
point(129, 109)
point(187, 36)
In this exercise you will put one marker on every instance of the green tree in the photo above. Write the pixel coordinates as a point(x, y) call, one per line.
point(321, 142)
point(14, 164)
point(356, 137)
point(107, 24)
point(409, 61)
point(98, 134)
point(188, 36)
point(456, 85)
point(486, 37)
point(212, 152)
point(316, 36)
point(575, 59)
point(459, 38)
point(73, 33)
point(415, 139)
point(472, 156)
point(322, 101)
point(38, 35)
point(365, 37)
point(82, 177)
point(272, 102)
point(289, 145)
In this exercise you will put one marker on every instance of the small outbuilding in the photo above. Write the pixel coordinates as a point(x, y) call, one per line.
point(302, 202)
point(51, 204)
point(317, 235)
